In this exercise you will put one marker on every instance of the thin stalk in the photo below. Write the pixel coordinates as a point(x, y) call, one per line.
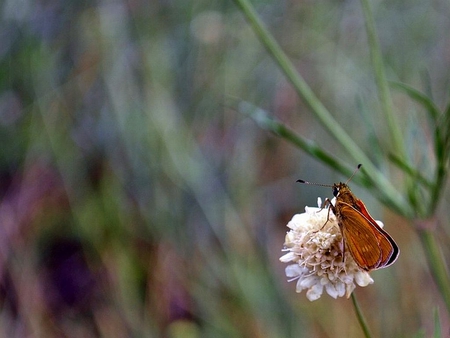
point(299, 83)
point(318, 109)
point(381, 81)
point(435, 260)
point(438, 188)
point(362, 321)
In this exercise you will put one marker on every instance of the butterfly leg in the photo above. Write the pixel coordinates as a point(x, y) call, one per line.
point(330, 206)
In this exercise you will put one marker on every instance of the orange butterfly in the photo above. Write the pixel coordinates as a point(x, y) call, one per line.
point(370, 246)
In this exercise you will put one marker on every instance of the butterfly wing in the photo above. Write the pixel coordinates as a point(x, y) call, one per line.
point(389, 248)
point(360, 239)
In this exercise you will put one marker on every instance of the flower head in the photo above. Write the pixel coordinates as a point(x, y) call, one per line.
point(318, 260)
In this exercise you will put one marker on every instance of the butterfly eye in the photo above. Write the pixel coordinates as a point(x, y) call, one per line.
point(335, 191)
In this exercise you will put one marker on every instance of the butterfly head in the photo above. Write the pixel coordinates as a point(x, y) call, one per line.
point(340, 189)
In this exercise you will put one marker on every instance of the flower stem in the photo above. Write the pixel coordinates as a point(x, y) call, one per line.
point(299, 84)
point(362, 321)
point(436, 263)
point(318, 108)
point(381, 81)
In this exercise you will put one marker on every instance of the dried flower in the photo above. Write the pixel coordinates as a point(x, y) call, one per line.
point(318, 260)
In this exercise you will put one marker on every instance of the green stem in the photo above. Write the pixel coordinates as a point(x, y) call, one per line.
point(362, 321)
point(435, 259)
point(299, 83)
point(318, 109)
point(382, 83)
point(266, 122)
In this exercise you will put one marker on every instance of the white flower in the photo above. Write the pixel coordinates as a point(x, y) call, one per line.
point(316, 252)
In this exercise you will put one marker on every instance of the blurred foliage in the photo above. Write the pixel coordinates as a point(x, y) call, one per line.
point(136, 202)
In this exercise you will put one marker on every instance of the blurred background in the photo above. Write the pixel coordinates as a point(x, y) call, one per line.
point(136, 201)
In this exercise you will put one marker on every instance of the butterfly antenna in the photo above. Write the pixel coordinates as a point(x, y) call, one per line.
point(356, 170)
point(319, 184)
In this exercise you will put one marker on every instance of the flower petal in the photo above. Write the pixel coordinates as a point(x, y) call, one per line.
point(315, 292)
point(350, 288)
point(294, 271)
point(290, 256)
point(310, 281)
point(331, 290)
point(362, 278)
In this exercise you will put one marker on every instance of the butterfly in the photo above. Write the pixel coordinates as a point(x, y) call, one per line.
point(370, 246)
